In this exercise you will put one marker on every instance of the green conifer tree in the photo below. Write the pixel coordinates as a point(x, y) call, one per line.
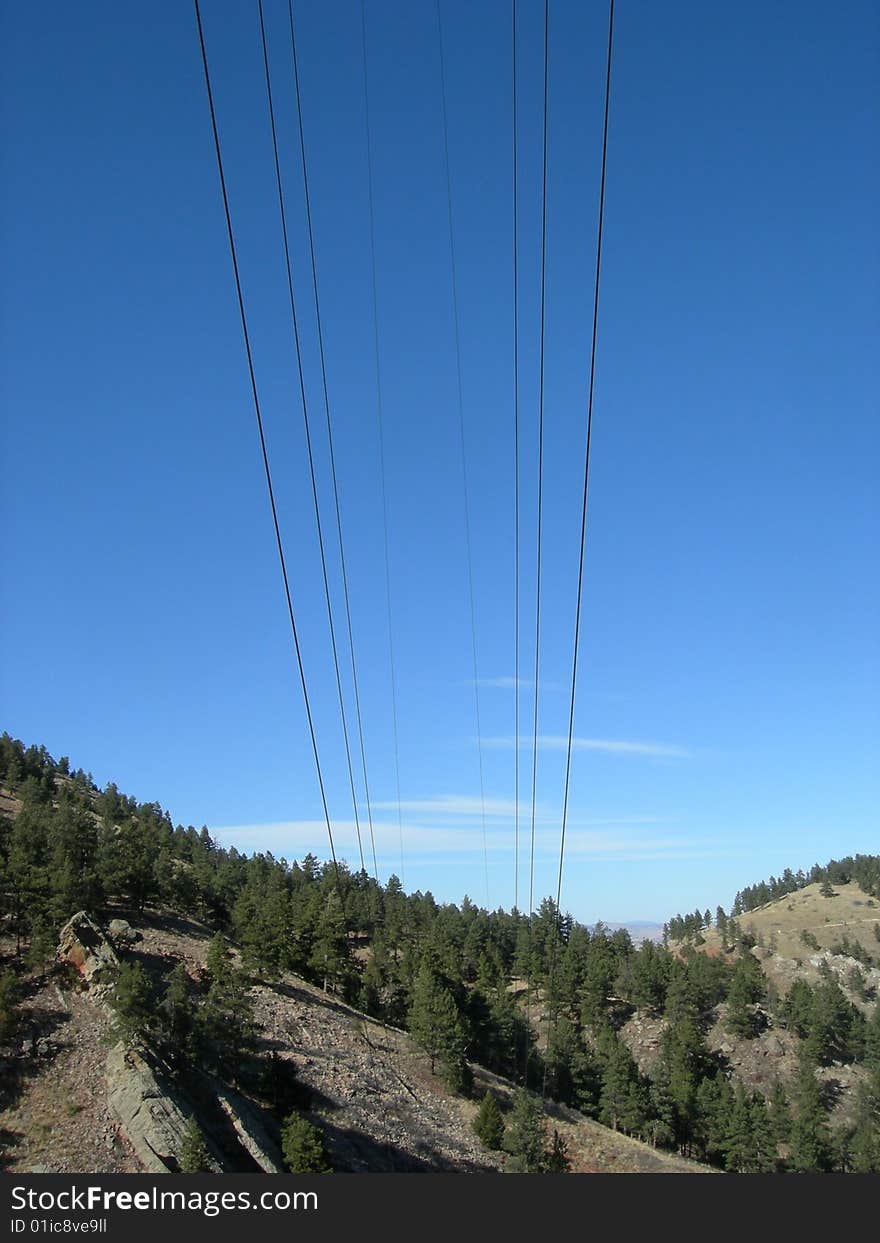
point(525, 1134)
point(303, 1146)
point(556, 1160)
point(194, 1158)
point(810, 1139)
point(489, 1123)
point(132, 1002)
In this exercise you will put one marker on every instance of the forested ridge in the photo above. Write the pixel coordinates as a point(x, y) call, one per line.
point(540, 1001)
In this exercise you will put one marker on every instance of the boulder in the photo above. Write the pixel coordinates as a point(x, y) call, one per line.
point(122, 931)
point(250, 1131)
point(151, 1115)
point(84, 946)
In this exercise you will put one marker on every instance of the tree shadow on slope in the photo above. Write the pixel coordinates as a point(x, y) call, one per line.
point(355, 1152)
point(8, 1141)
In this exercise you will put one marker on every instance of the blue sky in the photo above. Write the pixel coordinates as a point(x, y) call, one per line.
point(727, 712)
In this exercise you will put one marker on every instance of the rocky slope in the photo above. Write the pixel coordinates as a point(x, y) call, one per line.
point(80, 1102)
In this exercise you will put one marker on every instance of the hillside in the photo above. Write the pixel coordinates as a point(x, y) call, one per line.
point(371, 1093)
point(299, 1014)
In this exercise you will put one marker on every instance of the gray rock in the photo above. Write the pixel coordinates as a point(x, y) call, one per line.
point(84, 946)
point(121, 930)
point(152, 1116)
point(251, 1132)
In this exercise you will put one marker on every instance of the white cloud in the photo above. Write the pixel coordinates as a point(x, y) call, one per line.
point(456, 805)
point(511, 683)
point(295, 838)
point(609, 746)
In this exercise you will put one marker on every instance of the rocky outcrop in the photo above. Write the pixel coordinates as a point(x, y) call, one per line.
point(151, 1115)
point(84, 946)
point(122, 932)
point(250, 1131)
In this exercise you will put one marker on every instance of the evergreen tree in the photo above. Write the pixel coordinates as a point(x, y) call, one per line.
point(837, 1029)
point(739, 1135)
point(780, 1113)
point(9, 997)
point(132, 1001)
point(764, 1157)
point(177, 1015)
point(330, 957)
point(572, 1074)
point(810, 1140)
point(684, 1060)
point(872, 1037)
point(227, 1014)
point(746, 988)
point(194, 1157)
point(622, 1104)
point(714, 1106)
point(525, 1134)
point(556, 1160)
point(797, 1009)
point(435, 1023)
point(489, 1124)
point(865, 1145)
point(303, 1147)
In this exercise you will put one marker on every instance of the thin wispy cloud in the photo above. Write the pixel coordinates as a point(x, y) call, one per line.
point(454, 805)
point(512, 683)
point(607, 746)
point(295, 838)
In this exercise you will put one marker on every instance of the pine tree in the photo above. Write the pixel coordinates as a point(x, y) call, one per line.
point(683, 1062)
point(9, 996)
point(780, 1113)
point(434, 1021)
point(132, 1001)
point(810, 1140)
point(746, 988)
point(525, 1134)
point(764, 1150)
point(739, 1134)
point(713, 1109)
point(303, 1147)
point(227, 1013)
point(330, 958)
point(178, 1015)
point(872, 1036)
point(556, 1160)
point(194, 1158)
point(621, 1100)
point(865, 1145)
point(489, 1124)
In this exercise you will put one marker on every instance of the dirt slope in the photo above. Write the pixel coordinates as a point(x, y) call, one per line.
point(373, 1095)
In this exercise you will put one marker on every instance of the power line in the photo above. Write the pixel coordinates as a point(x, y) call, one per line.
point(354, 675)
point(515, 481)
point(467, 521)
point(306, 423)
point(256, 400)
point(379, 422)
point(540, 459)
point(577, 623)
point(540, 512)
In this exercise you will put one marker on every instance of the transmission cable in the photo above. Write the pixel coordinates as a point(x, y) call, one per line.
point(467, 522)
point(540, 513)
point(307, 426)
point(515, 481)
point(577, 623)
point(256, 400)
point(381, 434)
point(354, 674)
